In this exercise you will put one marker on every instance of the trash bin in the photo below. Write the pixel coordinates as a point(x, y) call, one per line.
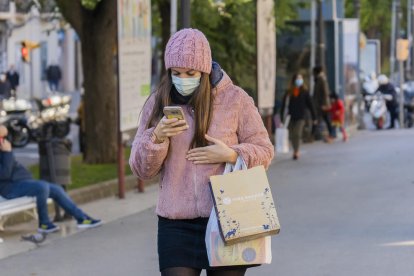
point(54, 166)
point(54, 160)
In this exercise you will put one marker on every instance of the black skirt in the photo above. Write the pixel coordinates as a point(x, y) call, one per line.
point(181, 243)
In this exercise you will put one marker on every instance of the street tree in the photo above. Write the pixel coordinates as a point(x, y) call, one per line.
point(95, 23)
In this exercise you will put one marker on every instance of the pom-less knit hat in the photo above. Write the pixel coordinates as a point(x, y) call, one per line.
point(188, 48)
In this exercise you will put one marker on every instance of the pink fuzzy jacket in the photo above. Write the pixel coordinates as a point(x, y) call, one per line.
point(184, 191)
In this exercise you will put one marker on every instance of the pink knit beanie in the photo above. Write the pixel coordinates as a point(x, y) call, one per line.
point(188, 48)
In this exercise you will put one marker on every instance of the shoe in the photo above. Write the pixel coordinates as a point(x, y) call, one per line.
point(89, 223)
point(48, 228)
point(295, 156)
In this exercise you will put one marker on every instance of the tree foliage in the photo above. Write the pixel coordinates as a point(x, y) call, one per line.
point(230, 26)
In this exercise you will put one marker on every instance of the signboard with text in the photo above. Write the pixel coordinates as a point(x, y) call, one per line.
point(266, 54)
point(134, 57)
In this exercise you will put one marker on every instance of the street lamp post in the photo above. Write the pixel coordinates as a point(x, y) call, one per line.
point(321, 35)
point(185, 14)
point(361, 123)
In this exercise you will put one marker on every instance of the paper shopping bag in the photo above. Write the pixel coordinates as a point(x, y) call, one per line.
point(257, 251)
point(282, 137)
point(244, 204)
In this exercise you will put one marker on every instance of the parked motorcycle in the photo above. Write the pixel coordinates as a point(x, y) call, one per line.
point(13, 114)
point(408, 88)
point(49, 119)
point(369, 87)
point(378, 108)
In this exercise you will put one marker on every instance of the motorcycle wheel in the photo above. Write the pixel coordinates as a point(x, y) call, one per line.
point(61, 129)
point(19, 136)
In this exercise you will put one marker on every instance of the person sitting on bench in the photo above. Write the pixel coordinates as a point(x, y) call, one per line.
point(16, 181)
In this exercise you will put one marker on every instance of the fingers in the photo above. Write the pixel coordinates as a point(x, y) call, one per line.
point(197, 150)
point(172, 122)
point(213, 140)
point(172, 131)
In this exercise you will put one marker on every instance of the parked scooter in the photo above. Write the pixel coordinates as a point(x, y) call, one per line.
point(408, 88)
point(378, 108)
point(369, 87)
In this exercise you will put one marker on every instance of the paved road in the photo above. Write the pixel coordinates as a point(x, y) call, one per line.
point(345, 209)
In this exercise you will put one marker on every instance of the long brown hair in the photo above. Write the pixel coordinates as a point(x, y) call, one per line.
point(201, 102)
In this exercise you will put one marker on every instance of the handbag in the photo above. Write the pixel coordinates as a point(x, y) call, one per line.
point(243, 203)
point(256, 251)
point(282, 137)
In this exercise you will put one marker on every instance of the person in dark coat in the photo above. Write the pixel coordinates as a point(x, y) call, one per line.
point(387, 88)
point(321, 100)
point(295, 103)
point(13, 78)
point(54, 75)
point(5, 87)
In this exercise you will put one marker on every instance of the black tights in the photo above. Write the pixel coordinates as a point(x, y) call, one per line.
point(187, 271)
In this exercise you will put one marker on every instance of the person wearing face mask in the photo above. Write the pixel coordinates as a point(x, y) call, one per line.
point(295, 103)
point(221, 123)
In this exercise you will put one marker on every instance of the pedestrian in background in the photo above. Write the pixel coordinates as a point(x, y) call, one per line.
point(387, 88)
point(338, 115)
point(321, 101)
point(53, 75)
point(13, 78)
point(295, 103)
point(5, 87)
point(221, 123)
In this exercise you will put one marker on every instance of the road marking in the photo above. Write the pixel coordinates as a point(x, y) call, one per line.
point(404, 243)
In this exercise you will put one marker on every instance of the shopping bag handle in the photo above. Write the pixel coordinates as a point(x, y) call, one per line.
point(240, 165)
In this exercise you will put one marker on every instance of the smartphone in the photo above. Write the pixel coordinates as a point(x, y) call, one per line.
point(171, 112)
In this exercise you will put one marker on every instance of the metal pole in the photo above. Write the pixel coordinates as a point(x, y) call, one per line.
point(313, 44)
point(409, 36)
point(121, 158)
point(321, 36)
point(361, 123)
point(31, 75)
point(173, 17)
point(338, 87)
point(401, 66)
point(412, 40)
point(393, 37)
point(185, 13)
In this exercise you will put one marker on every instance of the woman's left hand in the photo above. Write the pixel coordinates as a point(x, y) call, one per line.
point(219, 152)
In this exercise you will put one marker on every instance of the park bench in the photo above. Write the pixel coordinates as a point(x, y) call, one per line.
point(12, 206)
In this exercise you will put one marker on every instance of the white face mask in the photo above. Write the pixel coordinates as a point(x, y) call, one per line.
point(185, 86)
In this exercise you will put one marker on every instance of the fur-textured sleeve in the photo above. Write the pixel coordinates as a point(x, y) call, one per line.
point(254, 143)
point(147, 157)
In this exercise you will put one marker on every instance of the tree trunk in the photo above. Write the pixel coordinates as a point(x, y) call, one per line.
point(101, 116)
point(97, 31)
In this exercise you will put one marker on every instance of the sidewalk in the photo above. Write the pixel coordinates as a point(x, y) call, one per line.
point(108, 209)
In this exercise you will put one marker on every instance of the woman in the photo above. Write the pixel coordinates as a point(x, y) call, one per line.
point(221, 123)
point(297, 100)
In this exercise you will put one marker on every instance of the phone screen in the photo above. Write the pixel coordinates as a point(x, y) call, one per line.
point(172, 112)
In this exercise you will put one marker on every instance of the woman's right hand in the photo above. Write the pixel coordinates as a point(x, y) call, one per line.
point(169, 127)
